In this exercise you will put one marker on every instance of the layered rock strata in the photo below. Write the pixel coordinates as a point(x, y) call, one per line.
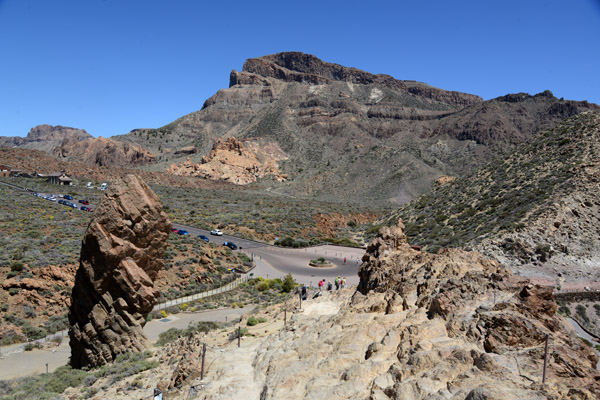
point(121, 254)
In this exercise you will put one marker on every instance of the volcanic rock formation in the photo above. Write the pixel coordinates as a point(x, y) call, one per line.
point(232, 161)
point(120, 257)
point(453, 325)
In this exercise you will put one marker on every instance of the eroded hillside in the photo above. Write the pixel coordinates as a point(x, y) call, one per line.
point(535, 209)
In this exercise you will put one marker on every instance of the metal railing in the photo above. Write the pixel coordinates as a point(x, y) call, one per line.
point(201, 295)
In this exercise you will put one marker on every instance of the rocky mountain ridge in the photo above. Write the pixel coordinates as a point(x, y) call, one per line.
point(353, 134)
point(71, 144)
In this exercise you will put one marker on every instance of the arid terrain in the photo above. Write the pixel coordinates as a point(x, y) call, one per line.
point(479, 220)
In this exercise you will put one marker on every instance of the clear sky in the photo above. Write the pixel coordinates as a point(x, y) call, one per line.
point(114, 65)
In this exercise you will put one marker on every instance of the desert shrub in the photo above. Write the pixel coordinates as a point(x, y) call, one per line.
point(262, 286)
point(581, 312)
point(16, 266)
point(252, 321)
point(288, 283)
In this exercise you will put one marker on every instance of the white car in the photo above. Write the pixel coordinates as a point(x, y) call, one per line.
point(216, 232)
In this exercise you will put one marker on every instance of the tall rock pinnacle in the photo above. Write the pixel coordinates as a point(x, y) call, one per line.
point(121, 254)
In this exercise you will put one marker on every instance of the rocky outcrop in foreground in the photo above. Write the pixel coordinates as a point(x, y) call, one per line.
point(121, 254)
point(453, 325)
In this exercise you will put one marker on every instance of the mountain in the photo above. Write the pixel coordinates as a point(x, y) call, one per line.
point(535, 209)
point(351, 134)
point(45, 137)
point(71, 144)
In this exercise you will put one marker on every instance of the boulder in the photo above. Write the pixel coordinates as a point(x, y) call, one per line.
point(121, 254)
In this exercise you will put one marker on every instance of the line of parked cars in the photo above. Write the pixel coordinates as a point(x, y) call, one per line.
point(215, 232)
point(64, 201)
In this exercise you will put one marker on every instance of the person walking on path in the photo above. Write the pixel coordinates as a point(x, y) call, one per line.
point(337, 283)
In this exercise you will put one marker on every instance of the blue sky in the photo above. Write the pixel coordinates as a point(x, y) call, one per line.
point(112, 66)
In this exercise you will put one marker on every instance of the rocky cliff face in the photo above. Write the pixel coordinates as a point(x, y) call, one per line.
point(120, 257)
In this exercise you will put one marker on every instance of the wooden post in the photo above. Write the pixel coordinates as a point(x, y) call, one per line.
point(545, 358)
point(300, 295)
point(203, 356)
point(285, 318)
point(239, 335)
point(46, 367)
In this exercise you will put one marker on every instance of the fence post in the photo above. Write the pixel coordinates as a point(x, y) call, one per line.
point(285, 318)
point(545, 358)
point(203, 356)
point(239, 335)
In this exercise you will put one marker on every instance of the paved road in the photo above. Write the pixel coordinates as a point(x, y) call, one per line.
point(19, 363)
point(276, 262)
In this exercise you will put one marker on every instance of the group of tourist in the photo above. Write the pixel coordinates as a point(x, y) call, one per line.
point(339, 283)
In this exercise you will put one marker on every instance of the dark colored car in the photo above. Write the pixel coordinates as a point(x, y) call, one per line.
point(84, 208)
point(183, 232)
point(203, 238)
point(84, 202)
point(231, 245)
point(62, 202)
point(68, 197)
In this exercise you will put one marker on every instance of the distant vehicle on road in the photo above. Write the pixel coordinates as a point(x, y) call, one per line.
point(204, 238)
point(183, 232)
point(216, 232)
point(83, 201)
point(231, 245)
point(103, 186)
point(68, 197)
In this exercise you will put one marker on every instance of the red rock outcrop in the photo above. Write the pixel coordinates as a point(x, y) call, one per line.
point(114, 289)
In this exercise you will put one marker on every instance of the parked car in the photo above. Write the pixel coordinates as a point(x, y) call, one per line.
point(82, 201)
point(174, 230)
point(183, 232)
point(83, 208)
point(73, 205)
point(68, 197)
point(204, 238)
point(231, 245)
point(216, 232)
point(61, 202)
point(52, 198)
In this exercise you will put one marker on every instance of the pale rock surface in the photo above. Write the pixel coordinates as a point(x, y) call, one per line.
point(454, 325)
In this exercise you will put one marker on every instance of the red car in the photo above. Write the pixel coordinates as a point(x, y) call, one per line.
point(174, 230)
